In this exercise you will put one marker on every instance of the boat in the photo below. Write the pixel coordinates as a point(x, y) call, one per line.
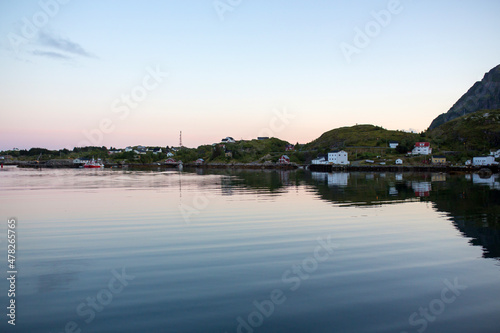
point(93, 164)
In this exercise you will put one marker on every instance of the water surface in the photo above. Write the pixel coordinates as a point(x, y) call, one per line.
point(252, 251)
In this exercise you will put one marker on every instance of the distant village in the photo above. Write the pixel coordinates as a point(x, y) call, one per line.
point(421, 148)
point(174, 155)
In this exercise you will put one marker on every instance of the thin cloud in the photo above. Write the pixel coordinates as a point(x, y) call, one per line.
point(50, 54)
point(62, 44)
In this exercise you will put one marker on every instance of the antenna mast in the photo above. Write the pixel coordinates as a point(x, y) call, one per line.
point(180, 140)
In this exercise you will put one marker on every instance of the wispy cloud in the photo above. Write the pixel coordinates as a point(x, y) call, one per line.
point(50, 54)
point(62, 44)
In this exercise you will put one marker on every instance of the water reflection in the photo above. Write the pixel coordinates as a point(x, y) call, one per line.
point(471, 202)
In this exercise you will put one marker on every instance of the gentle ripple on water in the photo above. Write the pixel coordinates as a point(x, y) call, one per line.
point(204, 247)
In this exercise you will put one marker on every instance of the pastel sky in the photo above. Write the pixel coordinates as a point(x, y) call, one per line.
point(79, 72)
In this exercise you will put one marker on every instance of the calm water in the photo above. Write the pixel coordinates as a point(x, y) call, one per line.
point(245, 251)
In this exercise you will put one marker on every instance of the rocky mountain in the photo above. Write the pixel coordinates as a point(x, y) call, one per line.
point(483, 95)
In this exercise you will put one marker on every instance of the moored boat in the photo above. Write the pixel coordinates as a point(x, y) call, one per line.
point(93, 164)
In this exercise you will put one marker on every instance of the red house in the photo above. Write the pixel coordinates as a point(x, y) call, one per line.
point(422, 148)
point(284, 160)
point(170, 160)
point(289, 147)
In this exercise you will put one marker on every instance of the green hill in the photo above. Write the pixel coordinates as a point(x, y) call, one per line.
point(479, 132)
point(362, 136)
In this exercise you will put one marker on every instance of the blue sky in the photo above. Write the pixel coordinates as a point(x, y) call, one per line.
point(235, 68)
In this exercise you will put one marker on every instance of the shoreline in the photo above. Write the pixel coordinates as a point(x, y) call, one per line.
point(267, 166)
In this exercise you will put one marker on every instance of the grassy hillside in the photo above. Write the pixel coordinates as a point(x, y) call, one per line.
point(242, 151)
point(362, 136)
point(479, 132)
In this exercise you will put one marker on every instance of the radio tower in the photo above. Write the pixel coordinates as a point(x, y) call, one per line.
point(180, 140)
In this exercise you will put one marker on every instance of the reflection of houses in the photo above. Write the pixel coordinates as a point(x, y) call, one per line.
point(422, 148)
point(284, 177)
point(284, 159)
point(484, 160)
point(438, 159)
point(421, 189)
point(332, 179)
point(338, 179)
point(393, 191)
point(338, 157)
point(491, 181)
point(438, 177)
point(399, 176)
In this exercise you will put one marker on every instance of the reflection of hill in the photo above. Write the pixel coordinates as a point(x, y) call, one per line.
point(475, 212)
point(472, 203)
point(258, 180)
point(359, 188)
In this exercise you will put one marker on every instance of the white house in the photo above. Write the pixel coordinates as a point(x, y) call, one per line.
point(399, 161)
point(128, 149)
point(422, 148)
point(228, 140)
point(170, 154)
point(338, 157)
point(484, 160)
point(393, 144)
point(321, 159)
